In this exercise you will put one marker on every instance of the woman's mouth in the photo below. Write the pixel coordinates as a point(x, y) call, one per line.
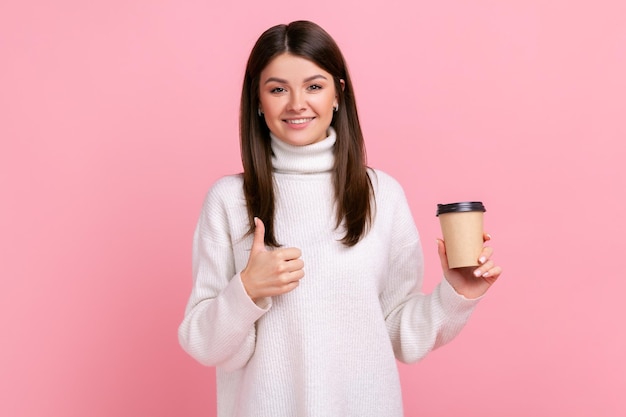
point(298, 121)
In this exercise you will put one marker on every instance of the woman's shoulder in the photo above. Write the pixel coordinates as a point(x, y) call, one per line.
point(225, 190)
point(227, 183)
point(384, 183)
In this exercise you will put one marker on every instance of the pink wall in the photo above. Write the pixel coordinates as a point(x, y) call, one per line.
point(116, 116)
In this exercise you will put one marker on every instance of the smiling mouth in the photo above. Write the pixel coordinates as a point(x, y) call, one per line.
point(298, 121)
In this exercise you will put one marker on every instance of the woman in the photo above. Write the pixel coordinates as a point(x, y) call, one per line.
point(324, 342)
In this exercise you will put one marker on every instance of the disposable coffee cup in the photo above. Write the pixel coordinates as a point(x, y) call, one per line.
point(462, 228)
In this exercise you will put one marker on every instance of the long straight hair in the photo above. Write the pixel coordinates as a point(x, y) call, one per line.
point(352, 185)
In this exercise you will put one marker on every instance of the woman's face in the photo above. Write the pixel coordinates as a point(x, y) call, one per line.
point(297, 99)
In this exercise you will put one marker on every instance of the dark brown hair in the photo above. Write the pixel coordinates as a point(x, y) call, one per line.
point(353, 188)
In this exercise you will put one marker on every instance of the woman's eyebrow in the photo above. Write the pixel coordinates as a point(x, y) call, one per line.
point(282, 81)
point(315, 77)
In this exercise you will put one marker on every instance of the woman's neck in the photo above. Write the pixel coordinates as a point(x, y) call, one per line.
point(308, 159)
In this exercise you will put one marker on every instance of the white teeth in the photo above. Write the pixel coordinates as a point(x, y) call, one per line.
point(299, 121)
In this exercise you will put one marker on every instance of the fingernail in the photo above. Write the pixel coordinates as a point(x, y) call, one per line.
point(482, 259)
point(486, 274)
point(488, 235)
point(477, 273)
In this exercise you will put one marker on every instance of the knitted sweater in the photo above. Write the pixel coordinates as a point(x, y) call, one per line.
point(327, 348)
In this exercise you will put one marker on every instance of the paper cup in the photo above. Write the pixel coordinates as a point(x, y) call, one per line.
point(462, 228)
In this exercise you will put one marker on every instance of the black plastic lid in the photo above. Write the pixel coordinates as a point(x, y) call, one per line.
point(460, 207)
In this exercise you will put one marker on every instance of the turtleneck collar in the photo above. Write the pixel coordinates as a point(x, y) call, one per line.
point(308, 159)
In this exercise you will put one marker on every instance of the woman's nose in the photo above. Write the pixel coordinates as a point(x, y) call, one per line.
point(297, 102)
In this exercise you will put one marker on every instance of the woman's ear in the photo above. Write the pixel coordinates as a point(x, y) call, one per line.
point(343, 87)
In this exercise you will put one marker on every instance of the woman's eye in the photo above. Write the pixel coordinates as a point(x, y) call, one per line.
point(315, 87)
point(277, 90)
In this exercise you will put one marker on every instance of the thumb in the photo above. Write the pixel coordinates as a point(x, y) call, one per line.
point(441, 249)
point(258, 242)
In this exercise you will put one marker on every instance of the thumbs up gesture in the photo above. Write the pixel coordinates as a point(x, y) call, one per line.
point(270, 273)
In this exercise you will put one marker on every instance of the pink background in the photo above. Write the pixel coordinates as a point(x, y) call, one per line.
point(116, 117)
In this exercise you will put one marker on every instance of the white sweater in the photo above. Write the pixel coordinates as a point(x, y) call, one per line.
point(327, 348)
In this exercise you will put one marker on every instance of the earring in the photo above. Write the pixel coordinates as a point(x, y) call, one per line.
point(336, 108)
point(259, 112)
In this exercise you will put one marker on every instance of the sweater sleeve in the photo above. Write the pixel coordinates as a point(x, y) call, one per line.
point(218, 328)
point(417, 323)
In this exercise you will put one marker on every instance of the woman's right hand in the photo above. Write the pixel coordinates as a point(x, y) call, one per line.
point(270, 273)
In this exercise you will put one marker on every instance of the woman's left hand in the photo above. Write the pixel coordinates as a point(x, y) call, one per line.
point(471, 282)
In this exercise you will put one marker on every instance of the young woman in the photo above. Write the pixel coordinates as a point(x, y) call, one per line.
point(308, 266)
